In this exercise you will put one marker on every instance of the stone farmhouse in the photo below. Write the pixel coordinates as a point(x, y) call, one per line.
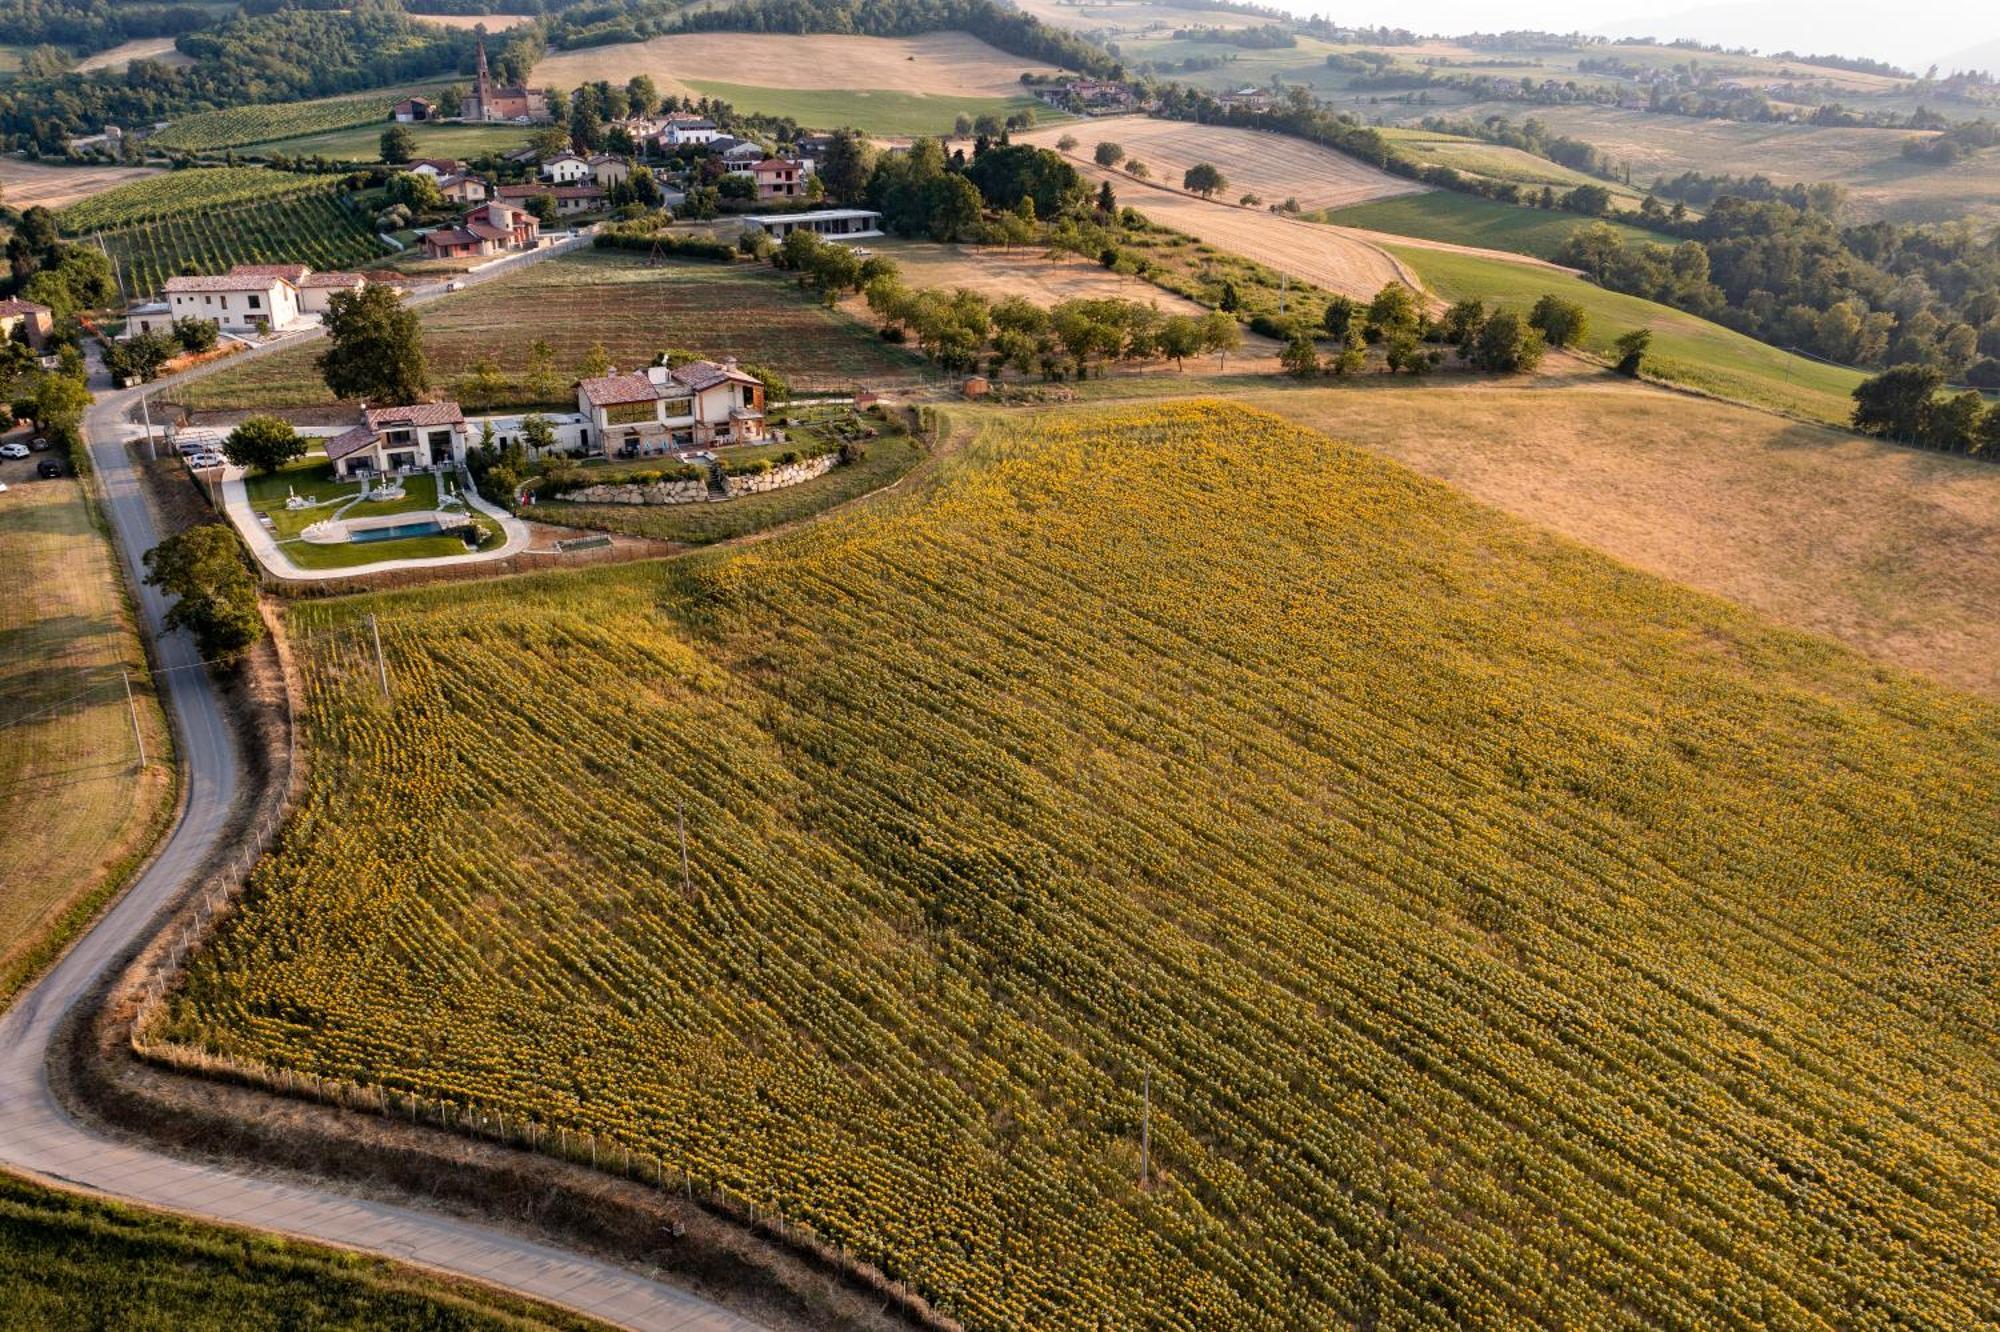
point(27, 322)
point(488, 101)
point(394, 439)
point(660, 409)
point(607, 170)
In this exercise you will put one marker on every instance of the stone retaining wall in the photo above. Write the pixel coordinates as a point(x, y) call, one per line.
point(694, 492)
point(780, 477)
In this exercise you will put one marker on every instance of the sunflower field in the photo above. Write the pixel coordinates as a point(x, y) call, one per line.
point(1476, 932)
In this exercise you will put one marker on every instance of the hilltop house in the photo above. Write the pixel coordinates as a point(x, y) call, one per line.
point(491, 228)
point(25, 321)
point(413, 109)
point(396, 439)
point(682, 129)
point(662, 408)
point(565, 168)
point(488, 101)
point(247, 297)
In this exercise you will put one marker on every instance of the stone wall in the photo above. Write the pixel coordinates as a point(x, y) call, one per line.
point(659, 492)
point(780, 477)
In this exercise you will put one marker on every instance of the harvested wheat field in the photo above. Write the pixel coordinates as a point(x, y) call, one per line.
point(947, 64)
point(26, 184)
point(1275, 167)
point(490, 22)
point(1137, 16)
point(158, 49)
point(1887, 549)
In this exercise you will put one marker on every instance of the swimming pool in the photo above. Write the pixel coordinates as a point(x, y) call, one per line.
point(427, 527)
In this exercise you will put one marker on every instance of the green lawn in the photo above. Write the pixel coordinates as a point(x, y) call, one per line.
point(1476, 157)
point(313, 477)
point(363, 143)
point(698, 524)
point(879, 111)
point(68, 1262)
point(1465, 219)
point(1686, 350)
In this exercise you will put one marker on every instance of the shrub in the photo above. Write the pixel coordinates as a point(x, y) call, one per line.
point(1562, 323)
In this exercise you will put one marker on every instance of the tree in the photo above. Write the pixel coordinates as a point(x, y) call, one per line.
point(1205, 180)
point(596, 362)
point(1632, 348)
point(451, 101)
point(1065, 143)
point(375, 348)
point(543, 384)
point(844, 170)
point(1339, 315)
point(1300, 358)
point(57, 405)
point(215, 593)
point(1394, 310)
point(1562, 323)
point(1220, 334)
point(642, 94)
point(417, 193)
point(1107, 201)
point(195, 335)
point(1953, 423)
point(951, 204)
point(141, 356)
point(1231, 300)
point(543, 206)
point(1352, 358)
point(1894, 403)
point(538, 433)
point(1137, 170)
point(485, 384)
point(549, 141)
point(1987, 445)
point(1462, 323)
point(1177, 338)
point(1507, 345)
point(398, 145)
point(263, 444)
point(1108, 154)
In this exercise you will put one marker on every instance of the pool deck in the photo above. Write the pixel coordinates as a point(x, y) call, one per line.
point(236, 503)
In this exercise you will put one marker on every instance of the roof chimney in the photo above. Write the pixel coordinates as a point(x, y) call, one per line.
point(657, 374)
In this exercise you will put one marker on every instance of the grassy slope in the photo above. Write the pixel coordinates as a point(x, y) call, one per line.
point(68, 1262)
point(634, 310)
point(877, 111)
point(1464, 219)
point(363, 143)
point(74, 805)
point(1686, 350)
point(1498, 926)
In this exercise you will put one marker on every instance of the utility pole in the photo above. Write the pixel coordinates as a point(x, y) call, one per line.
point(146, 410)
point(138, 736)
point(1146, 1135)
point(381, 666)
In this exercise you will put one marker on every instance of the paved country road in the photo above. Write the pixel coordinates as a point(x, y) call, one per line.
point(38, 1136)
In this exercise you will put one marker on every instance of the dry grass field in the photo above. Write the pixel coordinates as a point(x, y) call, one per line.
point(73, 802)
point(1136, 16)
point(160, 49)
point(1273, 166)
point(1889, 550)
point(942, 64)
point(26, 184)
point(1028, 271)
point(490, 22)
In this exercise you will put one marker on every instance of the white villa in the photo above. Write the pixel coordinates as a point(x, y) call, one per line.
point(682, 128)
point(661, 408)
point(394, 439)
point(565, 169)
point(246, 298)
point(831, 223)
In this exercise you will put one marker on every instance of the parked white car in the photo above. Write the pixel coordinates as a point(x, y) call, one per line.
point(15, 450)
point(203, 461)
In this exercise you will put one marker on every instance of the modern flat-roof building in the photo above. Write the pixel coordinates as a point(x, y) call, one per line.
point(832, 223)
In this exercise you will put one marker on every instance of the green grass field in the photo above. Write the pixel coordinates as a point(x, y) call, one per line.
point(872, 111)
point(1465, 219)
point(609, 297)
point(1475, 157)
point(888, 458)
point(363, 143)
point(73, 1263)
point(262, 122)
point(1686, 350)
point(1502, 937)
point(313, 477)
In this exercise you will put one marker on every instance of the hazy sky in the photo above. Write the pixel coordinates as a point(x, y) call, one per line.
point(1910, 32)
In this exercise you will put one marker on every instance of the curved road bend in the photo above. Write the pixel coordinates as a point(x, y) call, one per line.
point(37, 1136)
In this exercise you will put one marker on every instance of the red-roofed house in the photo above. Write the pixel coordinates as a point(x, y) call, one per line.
point(29, 322)
point(491, 228)
point(396, 439)
point(687, 406)
point(462, 189)
point(778, 178)
point(317, 289)
point(569, 198)
point(248, 296)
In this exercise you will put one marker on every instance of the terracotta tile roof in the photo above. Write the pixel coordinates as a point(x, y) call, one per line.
point(289, 272)
point(774, 164)
point(416, 414)
point(226, 282)
point(331, 279)
point(450, 236)
point(613, 390)
point(10, 308)
point(699, 375)
point(349, 441)
point(487, 231)
point(553, 191)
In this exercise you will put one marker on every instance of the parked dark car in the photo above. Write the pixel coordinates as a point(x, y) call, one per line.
point(47, 468)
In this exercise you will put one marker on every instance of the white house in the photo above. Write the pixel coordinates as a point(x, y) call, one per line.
point(317, 289)
point(682, 129)
point(395, 439)
point(247, 297)
point(740, 155)
point(565, 169)
point(832, 223)
point(660, 409)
